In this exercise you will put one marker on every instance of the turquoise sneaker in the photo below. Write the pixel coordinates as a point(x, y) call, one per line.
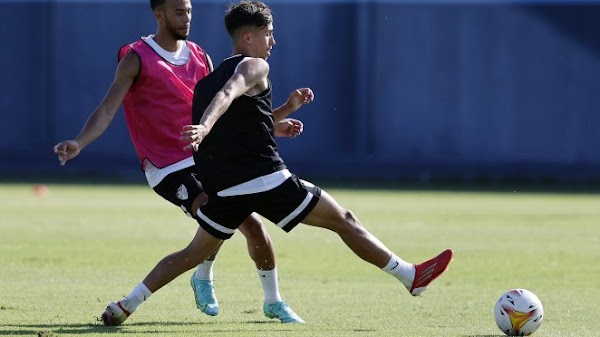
point(281, 311)
point(204, 292)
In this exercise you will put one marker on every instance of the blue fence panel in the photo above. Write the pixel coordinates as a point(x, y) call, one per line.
point(26, 73)
point(404, 89)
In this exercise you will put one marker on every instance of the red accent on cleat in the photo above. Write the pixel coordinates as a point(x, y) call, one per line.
point(114, 314)
point(429, 270)
point(127, 313)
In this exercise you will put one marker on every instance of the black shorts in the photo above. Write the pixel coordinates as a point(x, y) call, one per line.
point(181, 188)
point(286, 206)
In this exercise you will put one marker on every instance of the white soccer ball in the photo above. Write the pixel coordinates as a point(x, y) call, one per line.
point(518, 312)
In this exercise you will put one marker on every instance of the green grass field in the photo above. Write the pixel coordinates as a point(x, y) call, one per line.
point(64, 256)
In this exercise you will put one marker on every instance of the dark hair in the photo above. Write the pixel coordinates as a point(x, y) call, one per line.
point(156, 3)
point(247, 13)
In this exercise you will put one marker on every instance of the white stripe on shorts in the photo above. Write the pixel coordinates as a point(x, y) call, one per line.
point(215, 225)
point(297, 211)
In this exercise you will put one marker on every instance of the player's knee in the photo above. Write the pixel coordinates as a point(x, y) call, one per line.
point(349, 221)
point(254, 230)
point(349, 218)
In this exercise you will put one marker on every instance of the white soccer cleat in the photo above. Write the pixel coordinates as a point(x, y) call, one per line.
point(114, 314)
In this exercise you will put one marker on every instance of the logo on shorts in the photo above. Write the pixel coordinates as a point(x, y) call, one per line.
point(182, 192)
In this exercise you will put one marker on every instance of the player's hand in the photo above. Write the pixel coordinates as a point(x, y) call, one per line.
point(288, 127)
point(193, 135)
point(300, 97)
point(66, 150)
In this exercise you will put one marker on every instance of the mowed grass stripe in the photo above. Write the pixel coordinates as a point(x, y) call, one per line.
point(64, 256)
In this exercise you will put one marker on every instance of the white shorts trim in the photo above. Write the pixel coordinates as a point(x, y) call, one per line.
point(257, 185)
point(297, 211)
point(155, 175)
point(215, 225)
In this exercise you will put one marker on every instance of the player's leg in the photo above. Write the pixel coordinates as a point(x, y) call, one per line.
point(182, 189)
point(202, 280)
point(201, 247)
point(327, 213)
point(297, 201)
point(261, 251)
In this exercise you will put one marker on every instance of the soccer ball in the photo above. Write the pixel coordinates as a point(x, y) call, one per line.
point(518, 312)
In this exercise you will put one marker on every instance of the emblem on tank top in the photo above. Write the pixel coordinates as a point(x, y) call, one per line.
point(182, 192)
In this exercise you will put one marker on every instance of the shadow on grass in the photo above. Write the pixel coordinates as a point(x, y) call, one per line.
point(53, 330)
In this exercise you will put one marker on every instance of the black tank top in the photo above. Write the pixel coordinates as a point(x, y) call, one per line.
point(240, 146)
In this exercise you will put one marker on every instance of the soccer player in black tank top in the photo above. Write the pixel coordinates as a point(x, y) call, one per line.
point(240, 146)
point(278, 196)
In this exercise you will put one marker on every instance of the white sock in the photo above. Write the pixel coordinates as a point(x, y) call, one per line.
point(139, 294)
point(400, 269)
point(268, 280)
point(205, 270)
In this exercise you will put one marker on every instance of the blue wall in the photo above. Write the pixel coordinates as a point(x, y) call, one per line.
point(404, 89)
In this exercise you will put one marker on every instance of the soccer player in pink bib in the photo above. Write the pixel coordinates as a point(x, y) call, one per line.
point(155, 81)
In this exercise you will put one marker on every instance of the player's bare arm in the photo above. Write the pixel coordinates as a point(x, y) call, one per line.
point(288, 127)
point(99, 120)
point(297, 98)
point(249, 78)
